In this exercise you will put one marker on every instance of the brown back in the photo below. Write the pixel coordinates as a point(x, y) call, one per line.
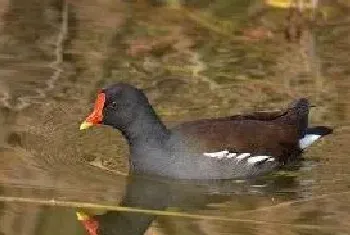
point(275, 133)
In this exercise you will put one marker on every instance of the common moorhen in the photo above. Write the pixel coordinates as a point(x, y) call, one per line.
point(238, 146)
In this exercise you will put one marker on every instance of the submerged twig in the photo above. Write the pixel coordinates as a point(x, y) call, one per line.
point(85, 205)
point(290, 203)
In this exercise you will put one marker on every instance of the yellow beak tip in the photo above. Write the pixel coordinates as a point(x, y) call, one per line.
point(82, 215)
point(85, 125)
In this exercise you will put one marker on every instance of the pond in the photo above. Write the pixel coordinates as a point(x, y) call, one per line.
point(193, 59)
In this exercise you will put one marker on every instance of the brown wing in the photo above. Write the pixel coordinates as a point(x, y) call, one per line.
point(262, 134)
point(256, 115)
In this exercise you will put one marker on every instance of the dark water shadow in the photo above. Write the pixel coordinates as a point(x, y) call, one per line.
point(152, 197)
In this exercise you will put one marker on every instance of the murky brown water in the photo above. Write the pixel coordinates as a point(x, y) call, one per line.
point(205, 59)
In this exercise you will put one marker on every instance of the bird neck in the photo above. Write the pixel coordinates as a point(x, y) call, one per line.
point(146, 128)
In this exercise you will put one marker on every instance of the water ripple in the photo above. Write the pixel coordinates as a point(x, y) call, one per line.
point(56, 65)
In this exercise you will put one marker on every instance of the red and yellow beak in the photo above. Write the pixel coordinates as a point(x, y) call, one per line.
point(90, 224)
point(81, 215)
point(96, 116)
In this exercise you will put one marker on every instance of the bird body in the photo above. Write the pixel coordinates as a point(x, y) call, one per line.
point(223, 148)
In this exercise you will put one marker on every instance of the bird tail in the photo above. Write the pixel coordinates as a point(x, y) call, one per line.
point(313, 134)
point(298, 111)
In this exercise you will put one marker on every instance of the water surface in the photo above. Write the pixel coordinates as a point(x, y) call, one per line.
point(194, 60)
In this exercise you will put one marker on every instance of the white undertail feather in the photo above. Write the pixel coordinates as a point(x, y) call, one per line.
point(308, 139)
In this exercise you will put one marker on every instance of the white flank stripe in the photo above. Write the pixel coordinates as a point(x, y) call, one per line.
point(242, 156)
point(308, 140)
point(239, 156)
point(230, 155)
point(256, 159)
point(216, 154)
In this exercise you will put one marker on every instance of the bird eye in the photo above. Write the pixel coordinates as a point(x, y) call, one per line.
point(114, 104)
